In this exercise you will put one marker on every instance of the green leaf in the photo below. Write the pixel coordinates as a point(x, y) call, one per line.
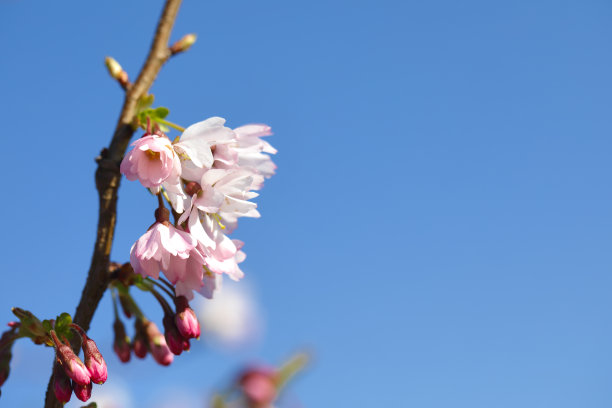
point(90, 405)
point(161, 112)
point(31, 326)
point(291, 368)
point(47, 325)
point(145, 102)
point(62, 325)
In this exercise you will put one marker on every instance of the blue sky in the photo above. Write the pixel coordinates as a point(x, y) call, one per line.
point(438, 232)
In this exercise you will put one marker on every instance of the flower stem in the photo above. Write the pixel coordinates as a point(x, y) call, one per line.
point(172, 125)
point(160, 201)
point(114, 295)
point(168, 284)
point(164, 304)
point(154, 282)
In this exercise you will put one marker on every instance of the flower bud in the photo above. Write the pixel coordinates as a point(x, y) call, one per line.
point(176, 342)
point(186, 320)
point(6, 344)
point(115, 71)
point(122, 342)
point(125, 306)
point(139, 343)
point(62, 388)
point(126, 275)
point(183, 44)
point(5, 368)
point(93, 359)
point(72, 365)
point(83, 392)
point(259, 386)
point(157, 344)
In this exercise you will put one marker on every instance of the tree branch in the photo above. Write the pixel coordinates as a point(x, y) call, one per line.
point(108, 178)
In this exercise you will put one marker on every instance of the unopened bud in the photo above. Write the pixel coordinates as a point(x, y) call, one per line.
point(185, 319)
point(125, 274)
point(192, 188)
point(162, 215)
point(176, 342)
point(83, 392)
point(122, 342)
point(116, 71)
point(183, 44)
point(62, 388)
point(259, 386)
point(6, 343)
point(93, 358)
point(125, 306)
point(139, 343)
point(157, 344)
point(5, 366)
point(72, 365)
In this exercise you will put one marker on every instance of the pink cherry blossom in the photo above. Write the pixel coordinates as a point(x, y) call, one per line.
point(166, 248)
point(221, 254)
point(151, 161)
point(195, 146)
point(259, 386)
point(247, 153)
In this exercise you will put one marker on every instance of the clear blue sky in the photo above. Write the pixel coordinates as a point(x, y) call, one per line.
point(439, 230)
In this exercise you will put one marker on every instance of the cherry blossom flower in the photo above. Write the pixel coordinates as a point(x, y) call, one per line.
point(151, 161)
point(166, 248)
point(247, 153)
point(194, 146)
point(221, 254)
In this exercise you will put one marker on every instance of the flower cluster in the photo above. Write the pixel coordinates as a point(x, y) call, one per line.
point(70, 374)
point(208, 175)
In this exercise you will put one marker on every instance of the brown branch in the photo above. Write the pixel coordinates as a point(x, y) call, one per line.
point(108, 178)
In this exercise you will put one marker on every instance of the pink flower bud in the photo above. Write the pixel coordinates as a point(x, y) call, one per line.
point(6, 344)
point(259, 386)
point(139, 343)
point(176, 342)
point(83, 392)
point(72, 365)
point(93, 359)
point(122, 342)
point(186, 320)
point(4, 373)
point(157, 345)
point(62, 388)
point(5, 369)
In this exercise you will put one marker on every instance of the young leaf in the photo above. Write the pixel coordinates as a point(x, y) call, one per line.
point(62, 325)
point(161, 112)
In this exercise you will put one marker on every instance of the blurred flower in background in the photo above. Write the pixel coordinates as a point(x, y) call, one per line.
point(232, 319)
point(261, 386)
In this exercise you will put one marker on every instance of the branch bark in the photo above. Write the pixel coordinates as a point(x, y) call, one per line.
point(108, 179)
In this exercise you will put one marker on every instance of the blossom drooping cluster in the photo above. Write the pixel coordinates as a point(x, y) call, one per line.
point(208, 175)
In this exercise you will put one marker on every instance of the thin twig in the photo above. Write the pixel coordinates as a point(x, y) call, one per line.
point(108, 179)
